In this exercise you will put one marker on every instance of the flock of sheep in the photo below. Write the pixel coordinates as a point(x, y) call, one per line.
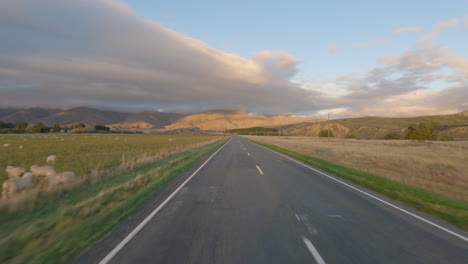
point(19, 179)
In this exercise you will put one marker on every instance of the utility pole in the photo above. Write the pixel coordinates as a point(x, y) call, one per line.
point(328, 127)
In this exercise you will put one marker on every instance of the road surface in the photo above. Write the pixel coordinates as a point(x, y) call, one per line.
point(248, 204)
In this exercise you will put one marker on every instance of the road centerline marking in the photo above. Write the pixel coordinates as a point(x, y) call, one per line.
point(259, 170)
point(248, 154)
point(127, 239)
point(313, 250)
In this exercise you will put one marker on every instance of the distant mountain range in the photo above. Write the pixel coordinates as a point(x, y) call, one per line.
point(211, 120)
point(90, 117)
point(371, 127)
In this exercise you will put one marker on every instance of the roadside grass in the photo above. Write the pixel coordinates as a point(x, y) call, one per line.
point(453, 211)
point(65, 223)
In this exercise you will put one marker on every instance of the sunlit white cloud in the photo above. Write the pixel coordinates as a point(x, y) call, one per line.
point(373, 43)
point(437, 30)
point(406, 30)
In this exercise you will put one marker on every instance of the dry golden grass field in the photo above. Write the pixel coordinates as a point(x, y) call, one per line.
point(439, 167)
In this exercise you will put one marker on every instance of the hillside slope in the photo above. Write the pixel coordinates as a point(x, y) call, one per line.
point(219, 120)
point(373, 127)
point(89, 116)
point(27, 115)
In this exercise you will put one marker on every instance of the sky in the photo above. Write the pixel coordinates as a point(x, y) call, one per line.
point(309, 58)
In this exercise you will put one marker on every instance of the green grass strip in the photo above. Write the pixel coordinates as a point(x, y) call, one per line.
point(453, 211)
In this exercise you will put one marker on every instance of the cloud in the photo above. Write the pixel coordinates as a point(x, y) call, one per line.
point(331, 49)
point(113, 58)
point(406, 30)
point(437, 30)
point(369, 44)
point(101, 53)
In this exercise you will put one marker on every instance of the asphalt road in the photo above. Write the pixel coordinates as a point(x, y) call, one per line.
point(248, 204)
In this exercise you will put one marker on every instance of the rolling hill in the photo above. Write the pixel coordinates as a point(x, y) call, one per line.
point(373, 127)
point(90, 117)
point(28, 115)
point(224, 119)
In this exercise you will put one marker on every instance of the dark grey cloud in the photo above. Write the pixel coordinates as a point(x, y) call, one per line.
point(100, 53)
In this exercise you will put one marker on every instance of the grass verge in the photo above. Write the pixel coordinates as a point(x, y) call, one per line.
point(58, 229)
point(453, 211)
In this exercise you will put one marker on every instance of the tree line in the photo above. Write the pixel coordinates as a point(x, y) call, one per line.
point(23, 127)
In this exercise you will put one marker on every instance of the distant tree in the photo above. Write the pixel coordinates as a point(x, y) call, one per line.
point(101, 128)
point(2, 124)
point(21, 126)
point(424, 131)
point(56, 128)
point(40, 128)
point(324, 133)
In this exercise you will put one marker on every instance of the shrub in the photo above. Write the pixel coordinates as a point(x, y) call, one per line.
point(350, 135)
point(21, 126)
point(101, 128)
point(423, 131)
point(40, 128)
point(324, 133)
point(445, 138)
point(393, 135)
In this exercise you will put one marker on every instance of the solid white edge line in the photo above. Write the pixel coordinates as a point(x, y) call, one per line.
point(313, 250)
point(259, 170)
point(148, 218)
point(374, 197)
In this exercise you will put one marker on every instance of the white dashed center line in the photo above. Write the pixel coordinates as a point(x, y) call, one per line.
point(313, 250)
point(259, 170)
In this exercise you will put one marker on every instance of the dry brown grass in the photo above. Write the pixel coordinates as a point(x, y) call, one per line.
point(439, 167)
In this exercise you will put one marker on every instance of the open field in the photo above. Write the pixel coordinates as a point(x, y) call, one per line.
point(85, 153)
point(450, 210)
point(439, 167)
point(61, 224)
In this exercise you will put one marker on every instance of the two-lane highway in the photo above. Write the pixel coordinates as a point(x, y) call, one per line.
point(248, 204)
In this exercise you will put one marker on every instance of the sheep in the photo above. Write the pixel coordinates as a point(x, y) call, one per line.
point(51, 159)
point(14, 185)
point(61, 178)
point(21, 147)
point(6, 145)
point(28, 174)
point(43, 171)
point(14, 172)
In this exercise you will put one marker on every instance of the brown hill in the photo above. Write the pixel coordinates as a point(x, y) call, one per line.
point(219, 120)
point(28, 115)
point(89, 116)
point(373, 127)
point(152, 120)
